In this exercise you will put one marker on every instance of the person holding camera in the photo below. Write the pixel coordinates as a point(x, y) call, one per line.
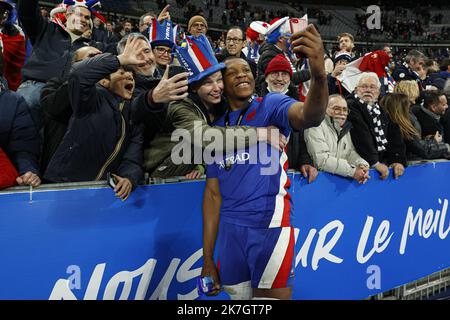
point(152, 92)
point(246, 205)
point(195, 113)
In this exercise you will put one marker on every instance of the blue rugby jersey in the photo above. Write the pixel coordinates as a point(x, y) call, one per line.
point(256, 194)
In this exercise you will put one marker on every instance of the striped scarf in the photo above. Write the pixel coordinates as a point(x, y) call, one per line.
point(374, 112)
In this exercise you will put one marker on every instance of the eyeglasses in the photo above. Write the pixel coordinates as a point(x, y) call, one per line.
point(337, 109)
point(235, 40)
point(162, 50)
point(371, 87)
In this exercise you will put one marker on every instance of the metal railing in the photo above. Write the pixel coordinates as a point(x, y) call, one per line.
point(425, 288)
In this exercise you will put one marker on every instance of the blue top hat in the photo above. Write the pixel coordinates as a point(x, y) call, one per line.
point(197, 56)
point(83, 3)
point(162, 34)
point(278, 29)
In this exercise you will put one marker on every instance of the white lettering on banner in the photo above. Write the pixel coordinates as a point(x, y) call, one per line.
point(321, 250)
point(62, 291)
point(380, 239)
point(432, 222)
point(95, 282)
point(160, 292)
point(145, 272)
point(425, 227)
point(324, 251)
point(303, 253)
point(168, 27)
point(185, 274)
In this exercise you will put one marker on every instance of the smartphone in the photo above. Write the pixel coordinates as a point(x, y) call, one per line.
point(297, 25)
point(112, 182)
point(174, 70)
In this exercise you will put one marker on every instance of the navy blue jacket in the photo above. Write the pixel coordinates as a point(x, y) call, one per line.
point(403, 72)
point(52, 46)
point(95, 129)
point(19, 137)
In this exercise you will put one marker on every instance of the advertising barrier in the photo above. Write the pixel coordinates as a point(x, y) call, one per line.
point(352, 241)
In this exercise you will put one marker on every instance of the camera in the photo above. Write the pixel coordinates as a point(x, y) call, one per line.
point(174, 70)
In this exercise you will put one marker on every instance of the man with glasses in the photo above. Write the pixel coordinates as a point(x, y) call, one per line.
point(197, 25)
point(234, 42)
point(376, 139)
point(162, 34)
point(163, 55)
point(153, 91)
point(330, 144)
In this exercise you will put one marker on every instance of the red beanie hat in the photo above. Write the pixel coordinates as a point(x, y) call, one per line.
point(252, 34)
point(279, 63)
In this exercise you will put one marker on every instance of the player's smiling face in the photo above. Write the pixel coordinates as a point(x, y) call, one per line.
point(238, 79)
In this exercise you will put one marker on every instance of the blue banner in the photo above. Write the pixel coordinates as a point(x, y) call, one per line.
point(353, 241)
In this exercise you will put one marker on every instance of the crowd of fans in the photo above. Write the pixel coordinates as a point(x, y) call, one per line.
point(398, 23)
point(94, 97)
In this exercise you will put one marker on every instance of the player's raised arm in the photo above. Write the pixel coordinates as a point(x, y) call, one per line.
point(311, 113)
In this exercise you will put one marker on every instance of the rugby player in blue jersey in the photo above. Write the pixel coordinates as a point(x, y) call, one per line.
point(247, 211)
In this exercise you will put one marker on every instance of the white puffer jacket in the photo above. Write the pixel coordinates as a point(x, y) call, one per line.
point(331, 148)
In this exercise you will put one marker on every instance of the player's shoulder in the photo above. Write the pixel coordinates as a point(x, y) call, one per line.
point(272, 99)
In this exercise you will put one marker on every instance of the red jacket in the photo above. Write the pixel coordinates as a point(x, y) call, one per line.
point(8, 173)
point(14, 59)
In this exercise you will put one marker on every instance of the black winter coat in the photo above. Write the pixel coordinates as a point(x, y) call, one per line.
point(403, 72)
point(428, 124)
point(363, 136)
point(445, 121)
point(96, 129)
point(146, 112)
point(19, 136)
point(52, 46)
point(57, 111)
point(419, 149)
